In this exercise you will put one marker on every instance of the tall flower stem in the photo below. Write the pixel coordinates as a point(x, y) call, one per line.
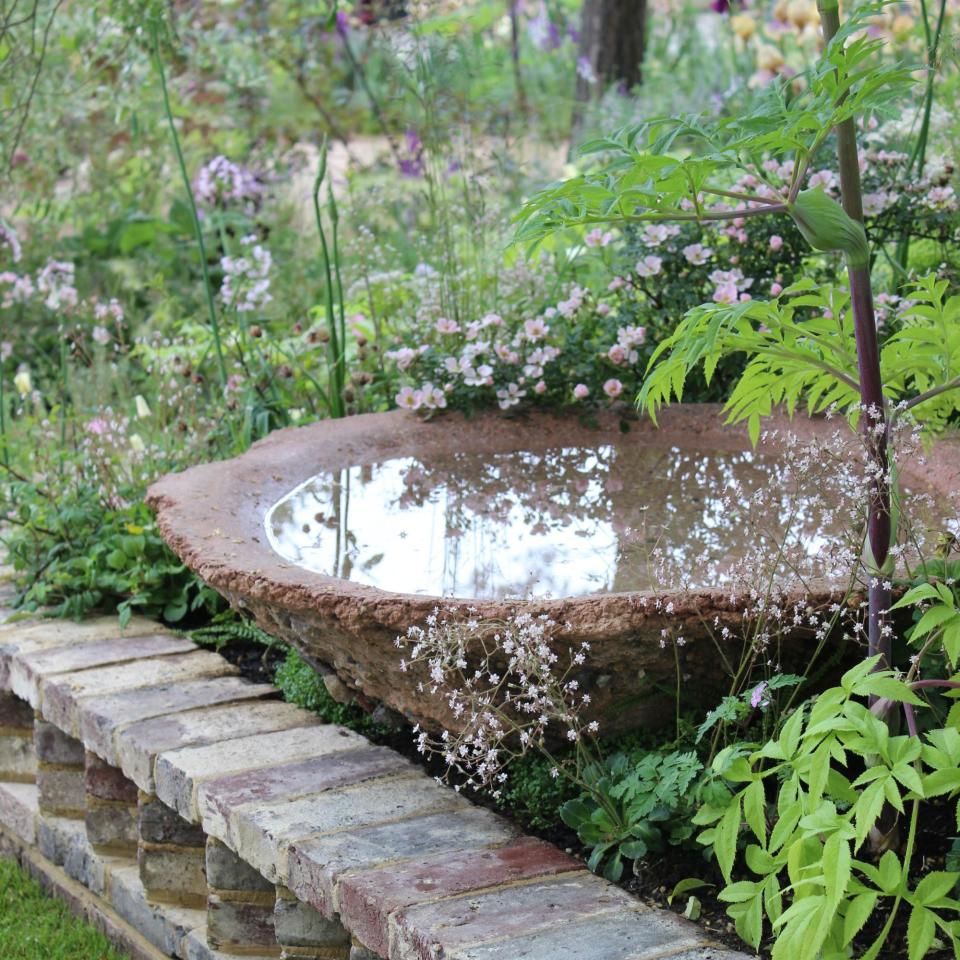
point(197, 230)
point(874, 419)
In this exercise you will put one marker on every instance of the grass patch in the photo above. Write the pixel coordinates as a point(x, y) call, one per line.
point(34, 926)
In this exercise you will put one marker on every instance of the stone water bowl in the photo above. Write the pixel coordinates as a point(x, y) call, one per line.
point(338, 536)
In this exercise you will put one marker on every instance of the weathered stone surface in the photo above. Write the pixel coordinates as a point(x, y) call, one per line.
point(64, 842)
point(54, 746)
point(366, 898)
point(173, 874)
point(61, 791)
point(218, 799)
point(19, 810)
point(62, 694)
point(103, 718)
point(159, 824)
point(164, 926)
point(106, 782)
point(235, 926)
point(143, 741)
point(316, 865)
point(642, 935)
point(298, 925)
point(16, 715)
point(433, 929)
point(18, 758)
point(110, 826)
point(40, 635)
point(212, 516)
point(28, 670)
point(226, 871)
point(358, 952)
point(195, 947)
point(179, 773)
point(263, 834)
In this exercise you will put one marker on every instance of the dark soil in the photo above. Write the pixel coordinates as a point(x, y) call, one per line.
point(653, 880)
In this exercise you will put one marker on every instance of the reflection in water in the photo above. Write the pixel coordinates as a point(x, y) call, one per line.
point(562, 522)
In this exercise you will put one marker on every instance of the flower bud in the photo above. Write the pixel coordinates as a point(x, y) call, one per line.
point(825, 225)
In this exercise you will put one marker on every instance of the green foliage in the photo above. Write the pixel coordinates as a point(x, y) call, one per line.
point(733, 709)
point(801, 350)
point(228, 627)
point(632, 805)
point(73, 557)
point(806, 818)
point(301, 684)
point(641, 180)
point(34, 926)
point(533, 794)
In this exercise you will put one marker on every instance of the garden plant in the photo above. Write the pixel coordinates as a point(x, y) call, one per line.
point(221, 220)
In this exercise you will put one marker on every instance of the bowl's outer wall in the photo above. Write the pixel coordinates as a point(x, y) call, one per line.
point(212, 517)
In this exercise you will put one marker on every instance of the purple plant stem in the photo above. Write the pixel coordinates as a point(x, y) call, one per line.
point(871, 385)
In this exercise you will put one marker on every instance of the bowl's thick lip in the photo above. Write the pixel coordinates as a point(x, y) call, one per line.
point(212, 515)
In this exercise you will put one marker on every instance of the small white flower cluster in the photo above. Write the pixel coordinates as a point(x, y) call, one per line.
point(505, 686)
point(246, 279)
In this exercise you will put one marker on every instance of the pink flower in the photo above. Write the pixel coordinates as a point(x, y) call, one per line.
point(776, 242)
point(775, 289)
point(597, 238)
point(409, 399)
point(447, 326)
point(612, 388)
point(617, 354)
point(649, 266)
point(540, 387)
point(756, 696)
point(615, 284)
point(697, 254)
point(726, 292)
point(603, 309)
point(581, 391)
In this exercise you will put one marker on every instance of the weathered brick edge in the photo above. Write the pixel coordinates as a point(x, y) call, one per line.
point(361, 854)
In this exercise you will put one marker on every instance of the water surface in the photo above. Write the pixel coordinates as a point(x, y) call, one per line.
point(563, 522)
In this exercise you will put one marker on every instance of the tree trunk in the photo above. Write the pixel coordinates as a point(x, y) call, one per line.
point(612, 36)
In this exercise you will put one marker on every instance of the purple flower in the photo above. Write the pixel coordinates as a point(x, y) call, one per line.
point(756, 697)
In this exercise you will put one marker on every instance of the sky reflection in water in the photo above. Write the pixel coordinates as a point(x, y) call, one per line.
point(562, 522)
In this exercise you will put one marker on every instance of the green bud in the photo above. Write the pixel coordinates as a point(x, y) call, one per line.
point(825, 225)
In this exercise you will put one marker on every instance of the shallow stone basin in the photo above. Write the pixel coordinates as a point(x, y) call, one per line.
point(227, 521)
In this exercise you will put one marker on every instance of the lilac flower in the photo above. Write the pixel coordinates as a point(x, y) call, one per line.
point(756, 696)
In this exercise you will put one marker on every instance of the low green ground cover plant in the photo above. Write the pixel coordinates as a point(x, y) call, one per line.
point(34, 926)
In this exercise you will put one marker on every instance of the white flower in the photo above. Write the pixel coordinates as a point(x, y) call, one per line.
point(649, 266)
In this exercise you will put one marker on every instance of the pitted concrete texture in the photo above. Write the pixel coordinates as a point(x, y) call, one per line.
point(142, 742)
point(179, 773)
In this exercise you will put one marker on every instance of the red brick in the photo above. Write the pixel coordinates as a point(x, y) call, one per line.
point(216, 798)
point(429, 930)
point(106, 782)
point(367, 899)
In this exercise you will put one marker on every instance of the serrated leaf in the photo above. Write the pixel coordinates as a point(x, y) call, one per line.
point(921, 929)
